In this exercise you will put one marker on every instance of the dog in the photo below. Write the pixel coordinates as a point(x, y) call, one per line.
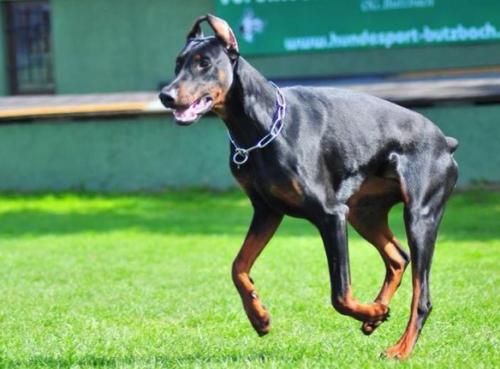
point(327, 155)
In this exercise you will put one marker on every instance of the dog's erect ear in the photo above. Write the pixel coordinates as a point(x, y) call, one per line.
point(196, 31)
point(223, 32)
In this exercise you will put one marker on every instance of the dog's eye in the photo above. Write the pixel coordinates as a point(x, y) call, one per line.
point(204, 63)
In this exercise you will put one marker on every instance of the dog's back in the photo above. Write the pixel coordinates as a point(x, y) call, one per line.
point(359, 128)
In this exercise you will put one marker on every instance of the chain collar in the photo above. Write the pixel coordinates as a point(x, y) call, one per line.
point(241, 155)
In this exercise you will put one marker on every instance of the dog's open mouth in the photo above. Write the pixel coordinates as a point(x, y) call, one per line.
point(194, 111)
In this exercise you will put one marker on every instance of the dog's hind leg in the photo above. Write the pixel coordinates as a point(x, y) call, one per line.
point(369, 218)
point(264, 224)
point(428, 185)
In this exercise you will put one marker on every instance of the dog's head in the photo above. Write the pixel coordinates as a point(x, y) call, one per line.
point(203, 72)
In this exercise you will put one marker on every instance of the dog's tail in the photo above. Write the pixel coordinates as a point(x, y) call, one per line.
point(452, 144)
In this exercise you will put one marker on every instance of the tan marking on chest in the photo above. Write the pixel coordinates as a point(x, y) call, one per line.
point(290, 193)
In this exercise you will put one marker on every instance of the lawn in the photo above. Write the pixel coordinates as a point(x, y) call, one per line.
point(143, 281)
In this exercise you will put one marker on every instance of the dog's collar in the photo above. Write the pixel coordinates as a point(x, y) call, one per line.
point(241, 155)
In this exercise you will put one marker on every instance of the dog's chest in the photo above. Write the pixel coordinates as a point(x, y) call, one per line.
point(281, 190)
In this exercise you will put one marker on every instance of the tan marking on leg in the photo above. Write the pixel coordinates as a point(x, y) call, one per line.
point(373, 312)
point(252, 247)
point(403, 348)
point(377, 232)
point(395, 267)
point(372, 187)
point(388, 247)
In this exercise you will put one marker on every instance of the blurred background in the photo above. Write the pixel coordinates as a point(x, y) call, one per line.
point(79, 81)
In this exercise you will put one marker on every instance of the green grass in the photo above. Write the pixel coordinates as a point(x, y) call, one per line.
point(144, 282)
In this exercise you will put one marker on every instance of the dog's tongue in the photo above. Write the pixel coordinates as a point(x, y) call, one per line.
point(191, 113)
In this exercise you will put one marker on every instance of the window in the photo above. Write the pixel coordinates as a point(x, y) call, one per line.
point(29, 51)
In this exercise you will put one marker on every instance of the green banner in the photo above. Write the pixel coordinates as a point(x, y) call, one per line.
point(283, 26)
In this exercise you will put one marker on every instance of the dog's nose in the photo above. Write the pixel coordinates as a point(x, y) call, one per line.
point(167, 98)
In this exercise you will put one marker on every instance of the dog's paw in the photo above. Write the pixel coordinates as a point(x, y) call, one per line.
point(262, 324)
point(258, 315)
point(378, 314)
point(369, 327)
point(399, 351)
point(260, 320)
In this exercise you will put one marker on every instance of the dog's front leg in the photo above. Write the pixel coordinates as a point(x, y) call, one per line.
point(264, 224)
point(333, 230)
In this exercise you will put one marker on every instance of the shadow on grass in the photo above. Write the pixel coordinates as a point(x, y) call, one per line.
point(469, 216)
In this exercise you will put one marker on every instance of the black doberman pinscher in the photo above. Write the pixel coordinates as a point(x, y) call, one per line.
point(329, 156)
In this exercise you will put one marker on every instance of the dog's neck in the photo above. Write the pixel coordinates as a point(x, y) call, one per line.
point(249, 106)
